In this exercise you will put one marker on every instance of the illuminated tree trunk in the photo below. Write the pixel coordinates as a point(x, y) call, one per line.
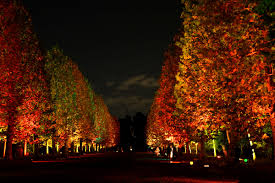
point(25, 147)
point(224, 151)
point(5, 147)
point(57, 148)
point(187, 147)
point(214, 148)
point(47, 146)
point(227, 136)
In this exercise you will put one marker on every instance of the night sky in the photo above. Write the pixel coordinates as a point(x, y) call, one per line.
point(117, 44)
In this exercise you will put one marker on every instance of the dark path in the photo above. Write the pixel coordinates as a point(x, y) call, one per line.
point(128, 167)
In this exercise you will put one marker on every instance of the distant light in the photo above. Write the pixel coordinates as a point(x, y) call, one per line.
point(206, 166)
point(219, 157)
point(175, 162)
point(245, 160)
point(191, 163)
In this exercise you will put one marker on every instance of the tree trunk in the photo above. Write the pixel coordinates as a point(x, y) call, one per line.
point(227, 136)
point(66, 150)
point(202, 149)
point(188, 147)
point(10, 136)
point(54, 151)
point(72, 147)
point(57, 148)
point(224, 151)
point(47, 146)
point(214, 148)
point(81, 146)
point(35, 146)
point(5, 147)
point(233, 148)
point(25, 148)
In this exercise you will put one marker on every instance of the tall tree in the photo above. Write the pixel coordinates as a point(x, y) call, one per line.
point(22, 80)
point(225, 79)
point(161, 123)
point(63, 94)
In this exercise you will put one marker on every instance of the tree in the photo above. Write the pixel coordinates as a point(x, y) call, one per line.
point(85, 107)
point(224, 80)
point(161, 123)
point(22, 78)
point(63, 95)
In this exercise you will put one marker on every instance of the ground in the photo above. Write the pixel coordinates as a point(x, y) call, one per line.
point(131, 167)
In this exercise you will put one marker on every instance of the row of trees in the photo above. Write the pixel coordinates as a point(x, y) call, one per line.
point(45, 97)
point(217, 76)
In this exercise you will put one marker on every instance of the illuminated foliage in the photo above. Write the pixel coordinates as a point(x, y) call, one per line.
point(85, 105)
point(63, 93)
point(23, 85)
point(79, 114)
point(224, 78)
point(161, 123)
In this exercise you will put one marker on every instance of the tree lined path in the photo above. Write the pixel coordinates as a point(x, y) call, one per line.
point(132, 167)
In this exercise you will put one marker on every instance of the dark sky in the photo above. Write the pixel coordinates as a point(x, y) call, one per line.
point(117, 44)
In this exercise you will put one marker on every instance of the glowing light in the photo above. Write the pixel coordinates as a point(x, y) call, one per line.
point(245, 160)
point(47, 147)
point(176, 162)
point(214, 147)
point(25, 148)
point(206, 166)
point(191, 163)
point(5, 145)
point(253, 154)
point(77, 148)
